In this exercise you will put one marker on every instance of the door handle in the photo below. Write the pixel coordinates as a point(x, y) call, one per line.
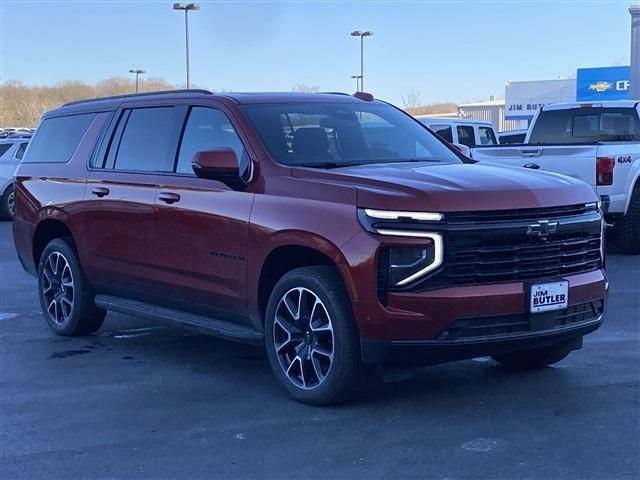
point(532, 166)
point(169, 197)
point(531, 153)
point(100, 191)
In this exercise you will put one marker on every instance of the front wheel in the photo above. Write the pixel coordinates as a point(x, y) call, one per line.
point(311, 338)
point(538, 358)
point(65, 295)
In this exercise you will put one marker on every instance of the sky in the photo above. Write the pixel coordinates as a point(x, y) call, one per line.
point(447, 51)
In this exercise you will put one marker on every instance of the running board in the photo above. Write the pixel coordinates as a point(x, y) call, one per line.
point(210, 326)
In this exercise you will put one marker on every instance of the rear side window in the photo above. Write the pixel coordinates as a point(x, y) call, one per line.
point(466, 136)
point(487, 136)
point(145, 141)
point(444, 131)
point(586, 125)
point(512, 139)
point(57, 138)
point(4, 147)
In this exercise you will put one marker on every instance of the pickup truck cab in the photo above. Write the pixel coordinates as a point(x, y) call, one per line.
point(461, 131)
point(598, 143)
point(335, 230)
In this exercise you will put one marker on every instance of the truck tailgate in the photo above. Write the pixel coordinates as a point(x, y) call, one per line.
point(577, 161)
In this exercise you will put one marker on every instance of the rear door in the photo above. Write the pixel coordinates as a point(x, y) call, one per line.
point(202, 224)
point(120, 197)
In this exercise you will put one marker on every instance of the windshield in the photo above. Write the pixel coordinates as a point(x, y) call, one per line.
point(342, 134)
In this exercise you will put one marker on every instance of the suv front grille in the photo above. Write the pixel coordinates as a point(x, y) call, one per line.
point(520, 323)
point(473, 261)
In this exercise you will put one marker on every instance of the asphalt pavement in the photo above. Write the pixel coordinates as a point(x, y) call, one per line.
point(142, 400)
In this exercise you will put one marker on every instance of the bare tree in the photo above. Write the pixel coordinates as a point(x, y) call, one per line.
point(411, 99)
point(301, 88)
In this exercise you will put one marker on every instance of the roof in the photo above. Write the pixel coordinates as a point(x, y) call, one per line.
point(240, 98)
point(605, 104)
point(430, 119)
point(488, 103)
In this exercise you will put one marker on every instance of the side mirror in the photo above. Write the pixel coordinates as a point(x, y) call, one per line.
point(220, 164)
point(463, 149)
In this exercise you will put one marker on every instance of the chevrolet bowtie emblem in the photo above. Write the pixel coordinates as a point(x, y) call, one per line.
point(543, 228)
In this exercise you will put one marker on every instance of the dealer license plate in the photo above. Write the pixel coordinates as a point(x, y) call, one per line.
point(549, 296)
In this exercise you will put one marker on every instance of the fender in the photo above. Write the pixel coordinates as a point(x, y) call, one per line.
point(632, 181)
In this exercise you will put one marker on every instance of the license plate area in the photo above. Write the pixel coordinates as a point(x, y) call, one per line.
point(548, 297)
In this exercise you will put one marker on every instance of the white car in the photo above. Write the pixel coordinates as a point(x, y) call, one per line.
point(461, 131)
point(598, 143)
point(11, 153)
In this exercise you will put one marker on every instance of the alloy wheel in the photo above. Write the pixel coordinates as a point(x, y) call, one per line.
point(58, 288)
point(303, 338)
point(11, 203)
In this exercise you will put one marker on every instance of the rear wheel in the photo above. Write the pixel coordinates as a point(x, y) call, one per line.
point(538, 358)
point(7, 204)
point(311, 338)
point(627, 228)
point(65, 296)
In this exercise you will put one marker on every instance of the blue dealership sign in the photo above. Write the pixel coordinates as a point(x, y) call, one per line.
point(608, 83)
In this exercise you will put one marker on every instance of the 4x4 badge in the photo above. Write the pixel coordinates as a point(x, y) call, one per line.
point(543, 228)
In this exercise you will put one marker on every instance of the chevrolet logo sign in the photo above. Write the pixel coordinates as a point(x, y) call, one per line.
point(601, 86)
point(543, 228)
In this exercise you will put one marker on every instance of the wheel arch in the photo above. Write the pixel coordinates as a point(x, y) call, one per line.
point(47, 230)
point(288, 256)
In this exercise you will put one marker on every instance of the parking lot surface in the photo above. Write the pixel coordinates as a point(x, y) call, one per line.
point(141, 400)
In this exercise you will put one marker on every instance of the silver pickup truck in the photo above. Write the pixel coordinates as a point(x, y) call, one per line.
point(598, 143)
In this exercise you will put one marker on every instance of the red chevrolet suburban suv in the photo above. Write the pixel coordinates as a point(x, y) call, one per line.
point(335, 230)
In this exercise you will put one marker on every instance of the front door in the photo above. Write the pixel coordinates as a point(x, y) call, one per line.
point(202, 225)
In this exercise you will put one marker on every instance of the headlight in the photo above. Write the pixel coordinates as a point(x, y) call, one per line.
point(407, 263)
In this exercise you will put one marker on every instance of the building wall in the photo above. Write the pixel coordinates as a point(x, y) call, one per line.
point(493, 114)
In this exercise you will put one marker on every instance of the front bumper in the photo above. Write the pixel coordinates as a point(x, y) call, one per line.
point(456, 323)
point(431, 352)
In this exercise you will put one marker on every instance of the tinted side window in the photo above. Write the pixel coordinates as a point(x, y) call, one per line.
point(466, 136)
point(20, 152)
point(511, 139)
point(57, 138)
point(4, 147)
point(207, 129)
point(445, 131)
point(486, 136)
point(145, 141)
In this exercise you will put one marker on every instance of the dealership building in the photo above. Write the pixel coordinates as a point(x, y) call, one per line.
point(523, 99)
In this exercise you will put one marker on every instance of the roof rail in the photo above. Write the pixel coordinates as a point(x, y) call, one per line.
point(334, 93)
point(133, 95)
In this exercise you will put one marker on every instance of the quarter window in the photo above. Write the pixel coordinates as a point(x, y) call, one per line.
point(4, 147)
point(145, 141)
point(208, 129)
point(57, 138)
point(20, 151)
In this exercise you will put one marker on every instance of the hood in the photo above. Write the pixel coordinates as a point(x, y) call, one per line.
point(454, 187)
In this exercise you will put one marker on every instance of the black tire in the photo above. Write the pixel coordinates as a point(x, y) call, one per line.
point(74, 312)
point(627, 228)
point(345, 373)
point(538, 358)
point(6, 202)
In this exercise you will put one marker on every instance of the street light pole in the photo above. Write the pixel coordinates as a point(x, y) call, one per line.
point(186, 7)
point(138, 72)
point(358, 33)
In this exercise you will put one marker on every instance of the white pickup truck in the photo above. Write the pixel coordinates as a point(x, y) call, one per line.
point(598, 143)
